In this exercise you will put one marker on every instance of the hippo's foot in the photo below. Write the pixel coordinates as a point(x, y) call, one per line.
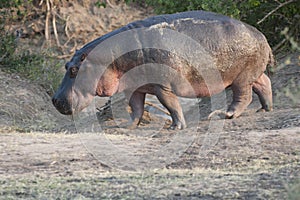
point(218, 114)
point(231, 115)
point(264, 110)
point(133, 125)
point(261, 110)
point(221, 114)
point(177, 125)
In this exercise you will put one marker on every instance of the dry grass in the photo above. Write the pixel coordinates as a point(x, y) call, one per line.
point(162, 184)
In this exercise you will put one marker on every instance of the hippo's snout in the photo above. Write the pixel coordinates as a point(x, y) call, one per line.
point(63, 99)
point(62, 106)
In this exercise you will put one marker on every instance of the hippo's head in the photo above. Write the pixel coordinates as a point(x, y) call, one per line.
point(82, 81)
point(64, 99)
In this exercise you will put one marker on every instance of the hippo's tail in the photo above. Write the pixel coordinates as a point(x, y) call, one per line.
point(272, 61)
point(271, 64)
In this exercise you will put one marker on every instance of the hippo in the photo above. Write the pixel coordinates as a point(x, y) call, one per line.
point(239, 53)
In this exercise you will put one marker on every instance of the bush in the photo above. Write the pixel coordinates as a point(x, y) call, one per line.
point(285, 14)
point(41, 68)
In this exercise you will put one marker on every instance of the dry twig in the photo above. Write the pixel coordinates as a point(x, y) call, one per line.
point(66, 28)
point(64, 56)
point(47, 35)
point(108, 2)
point(274, 10)
point(53, 8)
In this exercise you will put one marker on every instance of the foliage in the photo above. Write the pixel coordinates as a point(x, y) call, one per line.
point(17, 8)
point(41, 68)
point(100, 4)
point(249, 11)
point(11, 3)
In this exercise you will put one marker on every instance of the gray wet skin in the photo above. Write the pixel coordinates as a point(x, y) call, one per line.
point(239, 52)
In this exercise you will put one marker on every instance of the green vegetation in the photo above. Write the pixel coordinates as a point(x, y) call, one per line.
point(271, 17)
point(41, 67)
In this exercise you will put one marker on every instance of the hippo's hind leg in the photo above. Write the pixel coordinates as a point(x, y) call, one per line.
point(170, 101)
point(242, 97)
point(262, 87)
point(136, 103)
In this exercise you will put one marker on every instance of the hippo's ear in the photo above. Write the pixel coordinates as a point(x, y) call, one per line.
point(83, 56)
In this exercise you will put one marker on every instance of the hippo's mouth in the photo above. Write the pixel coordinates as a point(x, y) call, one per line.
point(66, 112)
point(72, 105)
point(63, 107)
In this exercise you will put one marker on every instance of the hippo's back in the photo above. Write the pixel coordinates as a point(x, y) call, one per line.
point(210, 29)
point(219, 35)
point(225, 39)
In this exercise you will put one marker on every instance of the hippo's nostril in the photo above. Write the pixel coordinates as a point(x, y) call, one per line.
point(54, 101)
point(62, 106)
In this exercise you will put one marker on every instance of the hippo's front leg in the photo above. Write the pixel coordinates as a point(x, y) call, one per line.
point(168, 99)
point(136, 104)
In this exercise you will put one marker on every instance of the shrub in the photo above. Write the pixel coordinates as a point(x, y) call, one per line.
point(41, 68)
point(280, 14)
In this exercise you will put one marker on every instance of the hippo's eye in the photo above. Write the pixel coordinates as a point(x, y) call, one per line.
point(73, 72)
point(67, 66)
point(83, 56)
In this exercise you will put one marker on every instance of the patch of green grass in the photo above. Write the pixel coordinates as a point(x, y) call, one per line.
point(42, 68)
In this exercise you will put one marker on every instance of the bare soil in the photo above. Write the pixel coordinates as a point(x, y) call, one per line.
point(44, 155)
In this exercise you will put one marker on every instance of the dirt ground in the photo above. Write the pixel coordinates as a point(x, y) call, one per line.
point(45, 155)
